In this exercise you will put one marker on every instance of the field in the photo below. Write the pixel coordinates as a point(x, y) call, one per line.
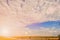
point(30, 38)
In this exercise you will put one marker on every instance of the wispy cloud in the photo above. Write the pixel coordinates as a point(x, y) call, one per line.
point(44, 32)
point(50, 28)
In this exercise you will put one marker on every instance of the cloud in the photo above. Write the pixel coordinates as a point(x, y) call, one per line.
point(49, 28)
point(14, 18)
point(44, 32)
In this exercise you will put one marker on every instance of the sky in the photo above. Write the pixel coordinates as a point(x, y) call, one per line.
point(48, 28)
point(29, 18)
point(48, 24)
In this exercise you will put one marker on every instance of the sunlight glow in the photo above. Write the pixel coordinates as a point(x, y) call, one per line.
point(4, 31)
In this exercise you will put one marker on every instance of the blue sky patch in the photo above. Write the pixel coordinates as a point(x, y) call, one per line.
point(47, 24)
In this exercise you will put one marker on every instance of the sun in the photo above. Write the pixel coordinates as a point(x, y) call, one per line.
point(4, 31)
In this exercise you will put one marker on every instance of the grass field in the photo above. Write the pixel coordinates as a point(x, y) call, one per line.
point(29, 38)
